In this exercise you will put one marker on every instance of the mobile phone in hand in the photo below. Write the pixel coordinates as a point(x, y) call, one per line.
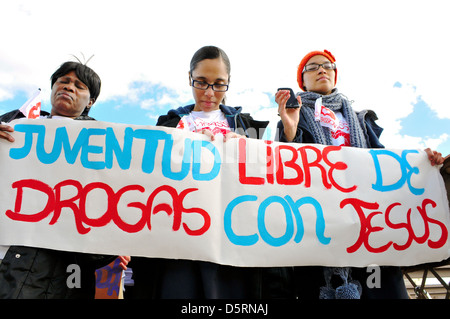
point(292, 103)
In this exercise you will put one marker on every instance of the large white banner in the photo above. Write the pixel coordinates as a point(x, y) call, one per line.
point(99, 187)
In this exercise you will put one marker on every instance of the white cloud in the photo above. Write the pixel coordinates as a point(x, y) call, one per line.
point(434, 143)
point(397, 141)
point(376, 45)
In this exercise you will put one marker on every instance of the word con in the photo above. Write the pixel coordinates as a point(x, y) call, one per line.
point(111, 149)
point(367, 228)
point(291, 210)
point(77, 204)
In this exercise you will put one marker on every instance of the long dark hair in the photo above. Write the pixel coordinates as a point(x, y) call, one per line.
point(85, 74)
point(209, 52)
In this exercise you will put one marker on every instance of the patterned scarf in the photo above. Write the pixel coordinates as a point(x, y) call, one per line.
point(335, 102)
point(349, 289)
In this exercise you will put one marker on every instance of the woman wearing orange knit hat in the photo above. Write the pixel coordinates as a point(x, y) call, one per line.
point(326, 117)
point(317, 76)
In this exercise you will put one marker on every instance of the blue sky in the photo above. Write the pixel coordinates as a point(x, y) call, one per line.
point(387, 54)
point(424, 122)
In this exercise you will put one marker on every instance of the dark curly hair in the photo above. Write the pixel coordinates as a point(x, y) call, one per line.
point(85, 74)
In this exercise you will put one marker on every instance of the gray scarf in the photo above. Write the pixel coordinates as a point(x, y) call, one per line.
point(349, 289)
point(335, 102)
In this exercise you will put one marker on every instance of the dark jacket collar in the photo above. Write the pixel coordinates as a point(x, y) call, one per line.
point(185, 110)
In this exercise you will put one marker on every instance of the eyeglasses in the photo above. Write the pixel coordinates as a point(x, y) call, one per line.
point(201, 85)
point(315, 66)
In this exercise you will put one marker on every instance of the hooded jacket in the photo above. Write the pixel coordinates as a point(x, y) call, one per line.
point(310, 278)
point(156, 278)
point(239, 122)
point(366, 118)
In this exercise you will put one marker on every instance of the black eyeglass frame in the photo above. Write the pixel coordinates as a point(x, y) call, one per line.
point(332, 64)
point(209, 85)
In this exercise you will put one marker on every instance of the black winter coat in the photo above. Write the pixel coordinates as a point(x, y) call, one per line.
point(239, 122)
point(36, 273)
point(309, 279)
point(156, 278)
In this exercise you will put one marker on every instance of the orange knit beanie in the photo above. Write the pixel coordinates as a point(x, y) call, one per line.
point(305, 60)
